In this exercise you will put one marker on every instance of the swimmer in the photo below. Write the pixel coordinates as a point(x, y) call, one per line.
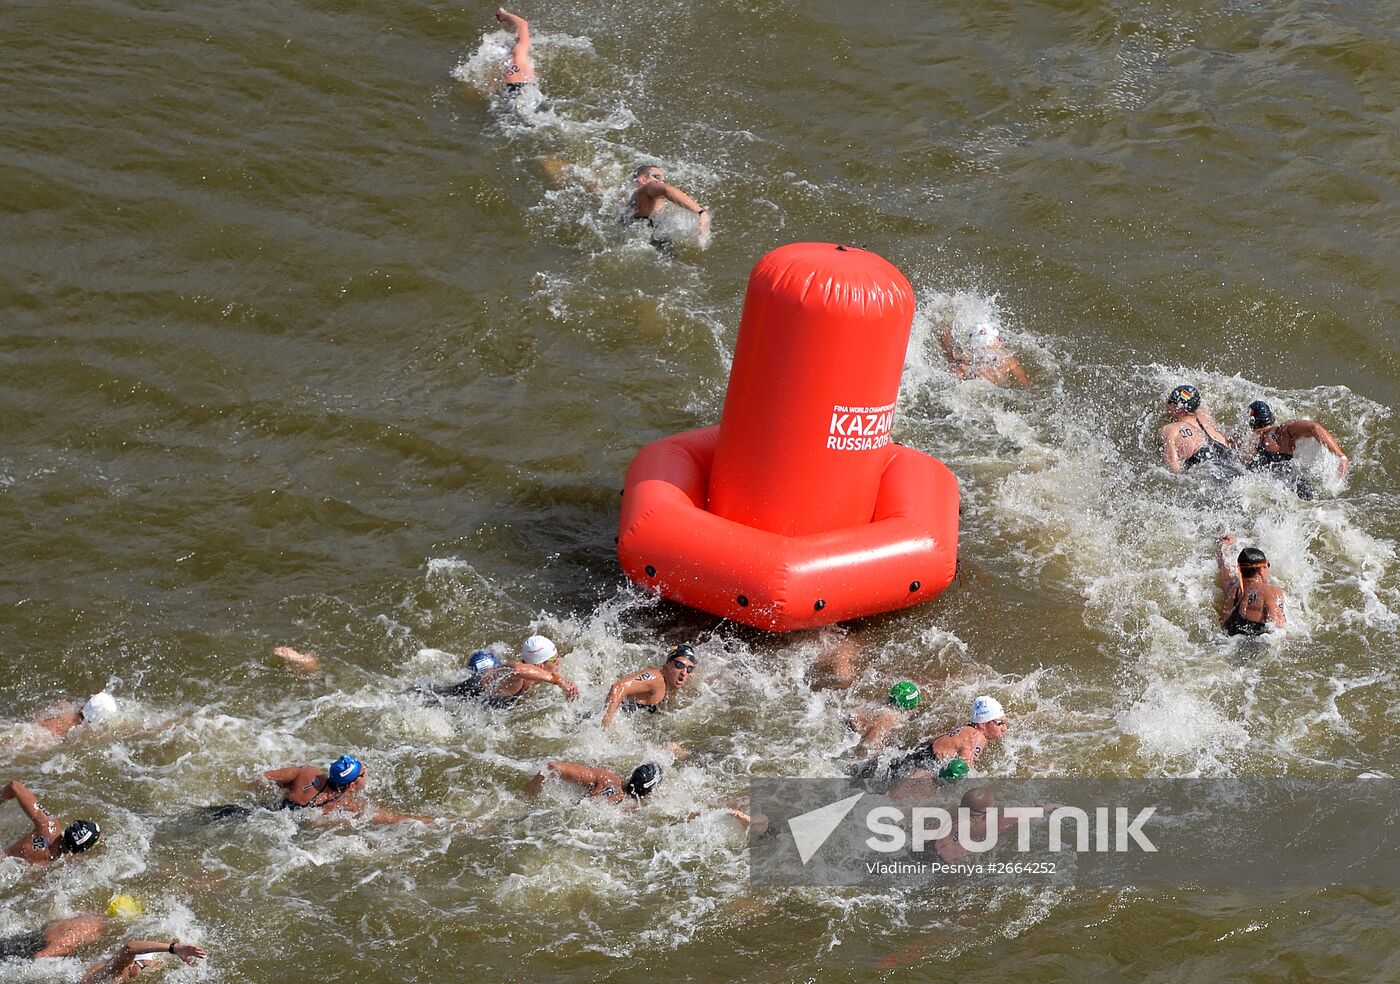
point(874, 724)
point(49, 840)
point(340, 787)
point(57, 938)
point(500, 685)
point(1273, 445)
point(479, 663)
point(62, 718)
point(1193, 438)
point(139, 956)
point(648, 201)
point(603, 784)
point(647, 689)
point(518, 71)
point(981, 353)
point(977, 802)
point(1252, 606)
point(986, 722)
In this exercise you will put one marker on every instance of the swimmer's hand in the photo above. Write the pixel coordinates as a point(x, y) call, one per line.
point(187, 952)
point(1227, 539)
point(1342, 467)
point(703, 235)
point(500, 13)
point(570, 689)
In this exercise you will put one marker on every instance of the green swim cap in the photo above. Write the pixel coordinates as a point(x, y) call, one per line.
point(954, 770)
point(905, 695)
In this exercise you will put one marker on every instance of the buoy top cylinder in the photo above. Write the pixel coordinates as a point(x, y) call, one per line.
point(806, 428)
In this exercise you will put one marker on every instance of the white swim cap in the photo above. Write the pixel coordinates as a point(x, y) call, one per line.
point(538, 649)
point(986, 709)
point(100, 706)
point(984, 334)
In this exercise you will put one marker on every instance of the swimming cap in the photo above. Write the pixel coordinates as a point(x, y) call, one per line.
point(1185, 397)
point(125, 907)
point(98, 707)
point(81, 835)
point(643, 780)
point(986, 709)
point(685, 651)
point(1251, 557)
point(954, 770)
point(344, 770)
point(985, 334)
point(904, 695)
point(1260, 414)
point(482, 661)
point(538, 649)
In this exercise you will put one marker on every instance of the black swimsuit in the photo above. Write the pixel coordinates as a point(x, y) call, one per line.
point(1281, 464)
point(470, 689)
point(632, 707)
point(1212, 451)
point(920, 758)
point(1237, 624)
point(22, 946)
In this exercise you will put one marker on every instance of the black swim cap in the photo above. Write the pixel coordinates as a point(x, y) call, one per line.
point(643, 780)
point(1186, 397)
point(81, 835)
point(1252, 557)
point(685, 651)
point(1260, 414)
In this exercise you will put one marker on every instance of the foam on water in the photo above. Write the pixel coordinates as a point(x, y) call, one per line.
point(1083, 504)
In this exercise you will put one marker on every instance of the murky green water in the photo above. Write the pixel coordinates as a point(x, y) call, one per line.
point(300, 345)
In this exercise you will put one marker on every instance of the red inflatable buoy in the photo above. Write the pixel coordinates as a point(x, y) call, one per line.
point(798, 510)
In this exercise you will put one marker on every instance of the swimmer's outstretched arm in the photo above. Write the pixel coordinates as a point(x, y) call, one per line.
point(674, 194)
point(639, 684)
point(950, 351)
point(1227, 573)
point(575, 772)
point(542, 675)
point(279, 777)
point(1017, 372)
point(1299, 429)
point(186, 952)
point(377, 814)
point(520, 51)
point(44, 821)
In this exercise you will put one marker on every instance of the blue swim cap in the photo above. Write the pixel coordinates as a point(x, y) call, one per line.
point(344, 770)
point(482, 661)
